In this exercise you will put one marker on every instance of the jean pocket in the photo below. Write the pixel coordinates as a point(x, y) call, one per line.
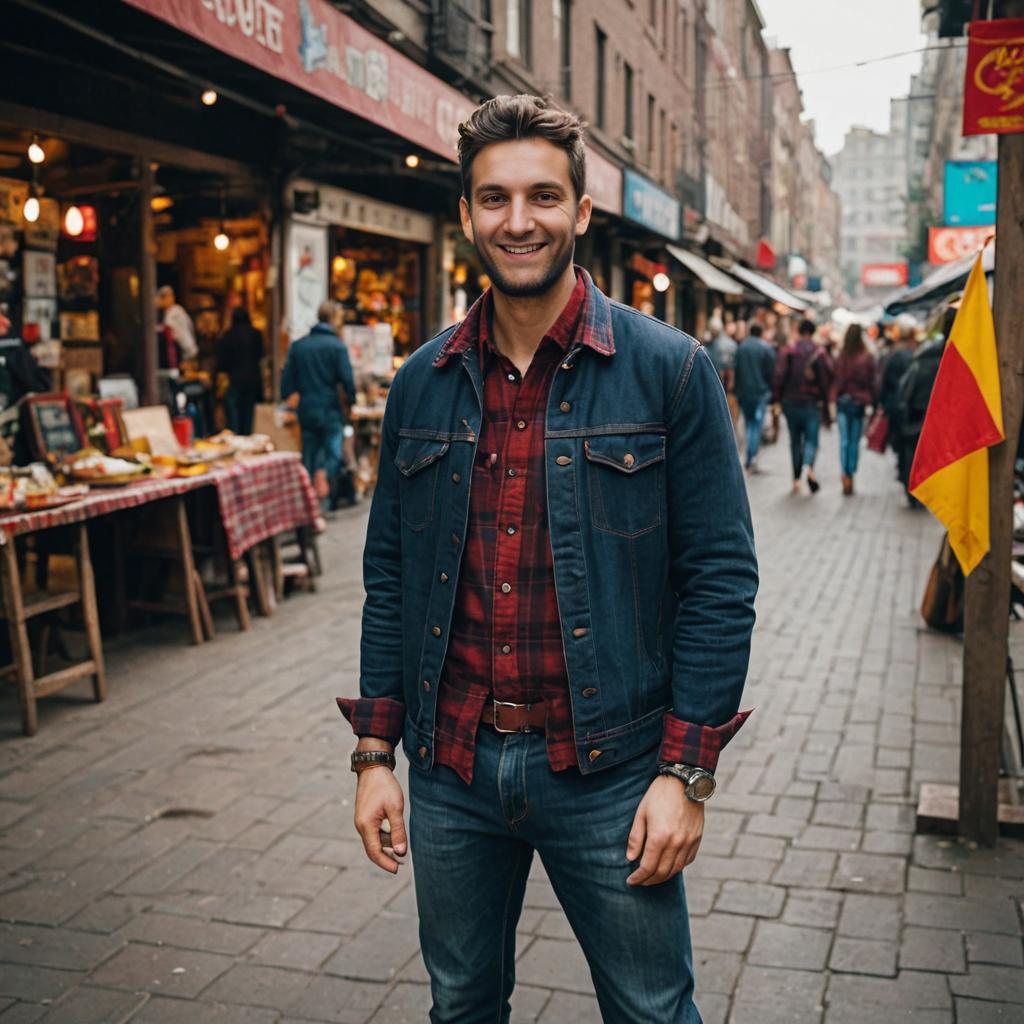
point(625, 475)
point(418, 461)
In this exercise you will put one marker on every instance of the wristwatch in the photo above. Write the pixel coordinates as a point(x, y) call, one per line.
point(363, 759)
point(698, 784)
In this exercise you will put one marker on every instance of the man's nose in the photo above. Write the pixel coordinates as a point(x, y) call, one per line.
point(520, 218)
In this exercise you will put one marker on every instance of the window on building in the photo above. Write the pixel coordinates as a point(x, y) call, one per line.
point(662, 146)
point(563, 39)
point(627, 100)
point(650, 131)
point(652, 13)
point(599, 78)
point(517, 30)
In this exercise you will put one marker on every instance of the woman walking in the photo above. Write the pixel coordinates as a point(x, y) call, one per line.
point(855, 391)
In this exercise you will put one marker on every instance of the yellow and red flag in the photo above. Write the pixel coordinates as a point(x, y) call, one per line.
point(964, 419)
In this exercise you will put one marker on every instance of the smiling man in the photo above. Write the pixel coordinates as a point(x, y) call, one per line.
point(560, 577)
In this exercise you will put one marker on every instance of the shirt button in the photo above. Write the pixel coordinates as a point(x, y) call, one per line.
point(521, 425)
point(587, 692)
point(565, 407)
point(456, 478)
point(443, 577)
point(513, 472)
point(512, 377)
point(436, 630)
point(511, 531)
point(506, 649)
point(506, 588)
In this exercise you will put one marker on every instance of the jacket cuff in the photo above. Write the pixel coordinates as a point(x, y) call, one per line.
point(697, 745)
point(380, 717)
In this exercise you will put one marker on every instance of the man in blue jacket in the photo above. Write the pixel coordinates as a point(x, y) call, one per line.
point(560, 576)
point(317, 368)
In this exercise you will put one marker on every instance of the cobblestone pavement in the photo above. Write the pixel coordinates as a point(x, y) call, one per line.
point(184, 853)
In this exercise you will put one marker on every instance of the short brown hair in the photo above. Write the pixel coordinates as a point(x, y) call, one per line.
point(505, 118)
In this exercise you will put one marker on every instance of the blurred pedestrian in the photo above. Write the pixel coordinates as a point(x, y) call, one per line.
point(175, 319)
point(722, 350)
point(755, 366)
point(319, 371)
point(238, 356)
point(895, 365)
point(855, 391)
point(800, 385)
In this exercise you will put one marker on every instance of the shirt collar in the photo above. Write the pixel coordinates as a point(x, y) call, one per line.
point(586, 320)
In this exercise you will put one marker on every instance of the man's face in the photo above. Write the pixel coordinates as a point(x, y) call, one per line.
point(523, 216)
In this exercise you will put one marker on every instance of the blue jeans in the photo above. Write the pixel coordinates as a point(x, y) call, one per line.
point(753, 417)
point(321, 448)
point(472, 847)
point(803, 421)
point(851, 423)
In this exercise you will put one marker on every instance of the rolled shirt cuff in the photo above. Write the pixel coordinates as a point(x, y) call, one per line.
point(697, 745)
point(380, 717)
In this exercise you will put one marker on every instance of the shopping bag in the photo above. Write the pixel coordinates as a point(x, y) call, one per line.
point(942, 604)
point(878, 431)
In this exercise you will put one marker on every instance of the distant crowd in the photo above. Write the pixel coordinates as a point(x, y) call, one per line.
point(877, 379)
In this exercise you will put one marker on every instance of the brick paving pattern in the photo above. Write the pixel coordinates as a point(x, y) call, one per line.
point(184, 852)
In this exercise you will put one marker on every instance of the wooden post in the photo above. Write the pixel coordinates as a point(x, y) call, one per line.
point(147, 285)
point(987, 595)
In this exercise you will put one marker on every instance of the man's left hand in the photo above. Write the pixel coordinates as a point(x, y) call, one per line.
point(666, 832)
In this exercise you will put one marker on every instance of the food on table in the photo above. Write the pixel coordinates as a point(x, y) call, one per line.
point(243, 444)
point(90, 464)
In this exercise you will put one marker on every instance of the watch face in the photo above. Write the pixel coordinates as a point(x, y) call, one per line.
point(702, 787)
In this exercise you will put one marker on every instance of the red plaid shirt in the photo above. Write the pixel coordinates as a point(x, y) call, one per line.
point(506, 639)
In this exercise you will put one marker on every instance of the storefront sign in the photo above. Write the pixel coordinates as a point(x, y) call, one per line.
point(307, 279)
point(351, 210)
point(969, 192)
point(645, 203)
point(883, 275)
point(994, 79)
point(948, 244)
point(316, 47)
point(604, 183)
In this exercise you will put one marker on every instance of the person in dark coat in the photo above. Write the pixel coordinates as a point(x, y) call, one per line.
point(238, 355)
point(895, 365)
point(855, 391)
point(754, 367)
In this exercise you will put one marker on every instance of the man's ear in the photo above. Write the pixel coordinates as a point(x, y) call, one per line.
point(467, 223)
point(584, 208)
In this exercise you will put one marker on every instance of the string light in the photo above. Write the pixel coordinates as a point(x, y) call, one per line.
point(36, 152)
point(661, 282)
point(74, 221)
point(209, 97)
point(30, 211)
point(412, 161)
point(221, 240)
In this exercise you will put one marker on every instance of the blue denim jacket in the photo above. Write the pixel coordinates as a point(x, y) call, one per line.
point(651, 539)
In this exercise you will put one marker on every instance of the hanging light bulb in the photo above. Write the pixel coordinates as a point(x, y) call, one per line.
point(30, 211)
point(209, 97)
point(221, 240)
point(35, 152)
point(412, 161)
point(661, 282)
point(74, 221)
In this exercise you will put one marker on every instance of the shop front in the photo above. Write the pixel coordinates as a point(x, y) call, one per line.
point(651, 282)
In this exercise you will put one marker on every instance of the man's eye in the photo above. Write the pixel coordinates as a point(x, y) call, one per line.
point(547, 197)
point(493, 199)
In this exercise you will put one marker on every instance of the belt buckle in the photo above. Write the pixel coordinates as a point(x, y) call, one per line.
point(507, 704)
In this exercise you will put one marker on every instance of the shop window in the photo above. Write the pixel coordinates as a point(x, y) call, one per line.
point(517, 30)
point(599, 98)
point(650, 132)
point(563, 36)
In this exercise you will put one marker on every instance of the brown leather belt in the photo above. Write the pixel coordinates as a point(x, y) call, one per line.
point(505, 717)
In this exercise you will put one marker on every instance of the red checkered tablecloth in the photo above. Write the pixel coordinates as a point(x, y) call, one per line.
point(258, 498)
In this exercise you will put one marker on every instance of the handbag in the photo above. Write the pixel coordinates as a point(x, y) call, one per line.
point(878, 431)
point(942, 604)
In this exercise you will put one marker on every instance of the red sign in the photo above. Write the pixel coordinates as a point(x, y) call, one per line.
point(765, 255)
point(994, 80)
point(648, 268)
point(945, 245)
point(310, 44)
point(883, 275)
point(604, 183)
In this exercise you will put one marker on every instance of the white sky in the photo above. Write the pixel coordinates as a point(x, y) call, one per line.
point(825, 33)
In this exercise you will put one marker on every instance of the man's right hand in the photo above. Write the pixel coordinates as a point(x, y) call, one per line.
point(379, 798)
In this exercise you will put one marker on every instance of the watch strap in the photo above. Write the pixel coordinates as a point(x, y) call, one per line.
point(363, 759)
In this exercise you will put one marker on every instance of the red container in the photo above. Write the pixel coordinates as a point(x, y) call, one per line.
point(183, 430)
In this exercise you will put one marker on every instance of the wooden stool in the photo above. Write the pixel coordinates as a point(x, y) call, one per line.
point(19, 609)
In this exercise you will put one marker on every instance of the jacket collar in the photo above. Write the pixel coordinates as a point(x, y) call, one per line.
point(593, 327)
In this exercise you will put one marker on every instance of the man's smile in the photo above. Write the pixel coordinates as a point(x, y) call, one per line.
point(522, 250)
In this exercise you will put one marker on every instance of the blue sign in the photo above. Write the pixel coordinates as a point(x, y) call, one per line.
point(645, 203)
point(970, 193)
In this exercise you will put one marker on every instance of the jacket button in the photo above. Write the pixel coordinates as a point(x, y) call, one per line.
point(456, 478)
point(580, 631)
point(566, 366)
point(436, 630)
point(628, 459)
point(443, 577)
point(423, 751)
point(594, 755)
point(587, 692)
point(563, 460)
point(565, 407)
point(426, 685)
point(455, 539)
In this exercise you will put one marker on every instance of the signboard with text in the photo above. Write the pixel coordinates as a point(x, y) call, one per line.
point(646, 204)
point(945, 245)
point(317, 48)
point(969, 192)
point(884, 275)
point(994, 78)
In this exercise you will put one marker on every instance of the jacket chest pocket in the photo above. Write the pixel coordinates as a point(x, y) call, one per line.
point(625, 475)
point(418, 460)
